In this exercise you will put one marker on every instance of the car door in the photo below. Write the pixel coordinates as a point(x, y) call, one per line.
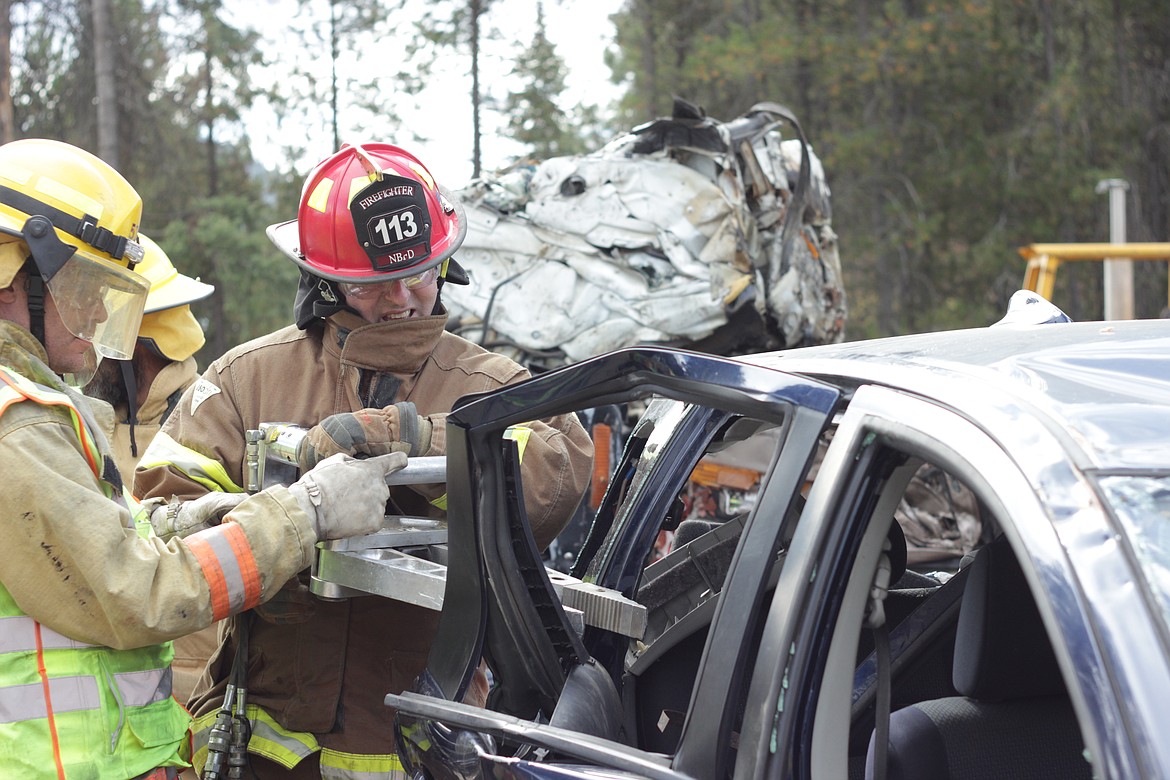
point(497, 601)
point(801, 707)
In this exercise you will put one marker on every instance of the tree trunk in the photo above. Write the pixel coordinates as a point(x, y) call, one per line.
point(209, 105)
point(476, 12)
point(7, 116)
point(334, 53)
point(650, 61)
point(104, 61)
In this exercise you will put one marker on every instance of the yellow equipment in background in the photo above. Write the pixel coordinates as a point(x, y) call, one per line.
point(1045, 259)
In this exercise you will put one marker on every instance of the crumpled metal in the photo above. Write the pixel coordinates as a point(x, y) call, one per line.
point(647, 242)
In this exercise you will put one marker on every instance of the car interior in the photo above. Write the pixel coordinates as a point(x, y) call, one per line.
point(974, 684)
point(681, 583)
point(1010, 715)
point(974, 688)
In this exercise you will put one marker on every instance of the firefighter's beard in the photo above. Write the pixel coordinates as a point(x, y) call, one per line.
point(107, 384)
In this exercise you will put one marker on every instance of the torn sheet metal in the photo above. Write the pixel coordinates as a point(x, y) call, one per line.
point(686, 231)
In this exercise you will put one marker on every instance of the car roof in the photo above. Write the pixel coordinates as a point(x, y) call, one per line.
point(1105, 383)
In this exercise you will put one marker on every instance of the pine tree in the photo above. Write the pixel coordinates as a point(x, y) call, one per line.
point(7, 117)
point(217, 83)
point(455, 24)
point(534, 117)
point(345, 59)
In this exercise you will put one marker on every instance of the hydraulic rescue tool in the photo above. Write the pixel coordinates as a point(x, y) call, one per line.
point(404, 561)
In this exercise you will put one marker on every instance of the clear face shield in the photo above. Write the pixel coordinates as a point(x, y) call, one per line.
point(97, 300)
point(100, 302)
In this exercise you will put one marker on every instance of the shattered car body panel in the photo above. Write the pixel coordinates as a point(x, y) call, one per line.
point(687, 231)
point(759, 654)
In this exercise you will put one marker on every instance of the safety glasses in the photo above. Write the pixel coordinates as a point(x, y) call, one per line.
point(378, 289)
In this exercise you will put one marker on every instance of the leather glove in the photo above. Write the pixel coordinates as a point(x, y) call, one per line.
point(347, 497)
point(182, 518)
point(396, 428)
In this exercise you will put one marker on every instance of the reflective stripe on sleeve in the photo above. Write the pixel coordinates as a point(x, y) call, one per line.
point(288, 748)
point(519, 434)
point(269, 739)
point(165, 451)
point(68, 694)
point(228, 566)
point(336, 765)
point(18, 634)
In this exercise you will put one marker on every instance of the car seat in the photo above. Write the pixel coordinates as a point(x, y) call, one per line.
point(1014, 718)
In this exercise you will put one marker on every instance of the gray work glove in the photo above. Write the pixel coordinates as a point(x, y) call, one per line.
point(347, 497)
point(395, 428)
point(182, 518)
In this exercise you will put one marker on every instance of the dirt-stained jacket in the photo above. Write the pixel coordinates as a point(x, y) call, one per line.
point(71, 557)
point(306, 654)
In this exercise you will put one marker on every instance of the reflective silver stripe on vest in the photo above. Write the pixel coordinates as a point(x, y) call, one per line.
point(18, 634)
point(68, 694)
point(141, 688)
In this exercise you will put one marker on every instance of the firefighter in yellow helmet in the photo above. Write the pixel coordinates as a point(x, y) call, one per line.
point(89, 597)
point(146, 388)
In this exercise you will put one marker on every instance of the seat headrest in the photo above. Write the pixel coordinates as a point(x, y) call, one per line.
point(1002, 651)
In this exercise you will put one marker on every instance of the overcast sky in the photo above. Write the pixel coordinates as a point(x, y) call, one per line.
point(580, 29)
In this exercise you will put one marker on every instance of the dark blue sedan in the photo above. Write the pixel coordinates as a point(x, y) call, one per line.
point(792, 631)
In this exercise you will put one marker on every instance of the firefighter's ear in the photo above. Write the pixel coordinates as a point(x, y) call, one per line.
point(10, 293)
point(14, 300)
point(17, 284)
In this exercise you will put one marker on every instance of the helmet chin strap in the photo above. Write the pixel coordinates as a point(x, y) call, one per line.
point(131, 385)
point(36, 302)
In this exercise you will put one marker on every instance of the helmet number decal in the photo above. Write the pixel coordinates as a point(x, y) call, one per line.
point(395, 228)
point(391, 219)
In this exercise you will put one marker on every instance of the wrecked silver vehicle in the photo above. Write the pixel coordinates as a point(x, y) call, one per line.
point(687, 231)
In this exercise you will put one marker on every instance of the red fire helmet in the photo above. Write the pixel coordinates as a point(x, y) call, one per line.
point(371, 213)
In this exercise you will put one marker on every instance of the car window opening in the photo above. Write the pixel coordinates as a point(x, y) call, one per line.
point(972, 663)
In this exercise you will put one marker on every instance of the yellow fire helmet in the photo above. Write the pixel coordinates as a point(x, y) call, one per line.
point(76, 219)
point(168, 326)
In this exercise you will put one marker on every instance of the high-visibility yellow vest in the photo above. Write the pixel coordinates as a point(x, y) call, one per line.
point(69, 709)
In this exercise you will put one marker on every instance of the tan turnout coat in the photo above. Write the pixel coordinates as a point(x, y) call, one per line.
point(324, 667)
point(72, 559)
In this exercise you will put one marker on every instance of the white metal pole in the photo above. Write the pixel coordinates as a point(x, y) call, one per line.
point(1118, 273)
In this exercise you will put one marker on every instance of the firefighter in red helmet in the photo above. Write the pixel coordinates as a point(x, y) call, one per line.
point(370, 368)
